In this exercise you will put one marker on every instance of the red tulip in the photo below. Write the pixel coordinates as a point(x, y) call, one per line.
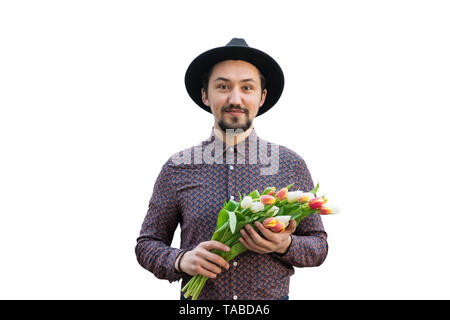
point(316, 203)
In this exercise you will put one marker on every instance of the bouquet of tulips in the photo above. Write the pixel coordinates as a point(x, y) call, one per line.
point(274, 209)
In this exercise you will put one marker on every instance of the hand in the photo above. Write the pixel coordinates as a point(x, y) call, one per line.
point(269, 241)
point(201, 261)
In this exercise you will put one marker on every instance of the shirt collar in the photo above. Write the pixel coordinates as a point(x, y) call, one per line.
point(240, 147)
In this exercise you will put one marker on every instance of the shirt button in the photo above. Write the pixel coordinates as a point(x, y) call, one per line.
point(235, 297)
point(235, 264)
point(231, 167)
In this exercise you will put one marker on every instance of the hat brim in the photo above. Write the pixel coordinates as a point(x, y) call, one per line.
point(265, 64)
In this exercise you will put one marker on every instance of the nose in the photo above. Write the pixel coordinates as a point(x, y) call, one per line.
point(235, 97)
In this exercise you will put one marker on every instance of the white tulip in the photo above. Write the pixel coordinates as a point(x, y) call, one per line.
point(274, 209)
point(293, 196)
point(306, 196)
point(256, 207)
point(246, 202)
point(284, 219)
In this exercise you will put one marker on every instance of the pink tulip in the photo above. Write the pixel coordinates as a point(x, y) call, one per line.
point(270, 222)
point(267, 200)
point(274, 225)
point(279, 227)
point(282, 193)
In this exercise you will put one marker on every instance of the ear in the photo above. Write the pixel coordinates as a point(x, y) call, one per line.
point(205, 97)
point(263, 97)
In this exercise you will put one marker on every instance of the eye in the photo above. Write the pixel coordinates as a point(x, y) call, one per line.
point(222, 86)
point(247, 88)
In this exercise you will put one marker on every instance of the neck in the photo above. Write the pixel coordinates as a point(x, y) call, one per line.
point(234, 138)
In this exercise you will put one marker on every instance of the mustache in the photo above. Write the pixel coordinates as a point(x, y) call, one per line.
point(231, 107)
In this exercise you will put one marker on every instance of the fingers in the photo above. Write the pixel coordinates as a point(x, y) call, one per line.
point(213, 244)
point(291, 226)
point(253, 241)
point(201, 261)
point(218, 260)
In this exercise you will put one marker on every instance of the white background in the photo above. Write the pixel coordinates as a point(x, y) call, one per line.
point(92, 103)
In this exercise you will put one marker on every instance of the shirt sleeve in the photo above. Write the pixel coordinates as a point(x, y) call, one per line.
point(153, 250)
point(309, 246)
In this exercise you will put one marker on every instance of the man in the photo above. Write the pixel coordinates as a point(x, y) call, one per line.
point(236, 83)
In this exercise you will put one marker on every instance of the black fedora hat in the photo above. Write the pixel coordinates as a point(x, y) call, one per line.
point(236, 49)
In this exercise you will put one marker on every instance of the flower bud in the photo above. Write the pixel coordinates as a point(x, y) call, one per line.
point(256, 207)
point(316, 203)
point(282, 193)
point(274, 210)
point(267, 200)
point(269, 222)
point(293, 196)
point(325, 210)
point(306, 196)
point(269, 191)
point(246, 202)
point(279, 227)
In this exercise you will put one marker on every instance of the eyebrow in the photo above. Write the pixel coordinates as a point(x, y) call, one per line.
point(225, 79)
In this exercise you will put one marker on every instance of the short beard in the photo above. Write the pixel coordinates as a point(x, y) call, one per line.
point(244, 127)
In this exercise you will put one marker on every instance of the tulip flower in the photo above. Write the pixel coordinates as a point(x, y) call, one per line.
point(246, 202)
point(274, 225)
point(274, 210)
point(282, 194)
point(284, 219)
point(234, 216)
point(293, 196)
point(267, 200)
point(325, 210)
point(256, 207)
point(316, 203)
point(306, 196)
point(279, 227)
point(334, 209)
point(269, 191)
point(270, 222)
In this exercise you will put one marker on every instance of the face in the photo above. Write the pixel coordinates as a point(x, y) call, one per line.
point(234, 94)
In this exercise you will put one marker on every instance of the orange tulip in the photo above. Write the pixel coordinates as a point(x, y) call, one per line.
point(325, 210)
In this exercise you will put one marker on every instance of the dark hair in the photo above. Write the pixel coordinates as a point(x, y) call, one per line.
point(207, 75)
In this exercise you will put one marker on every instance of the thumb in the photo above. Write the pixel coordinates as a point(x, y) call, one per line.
point(291, 226)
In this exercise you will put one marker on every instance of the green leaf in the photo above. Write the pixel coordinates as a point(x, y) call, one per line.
point(314, 191)
point(232, 220)
point(222, 217)
point(255, 195)
point(232, 205)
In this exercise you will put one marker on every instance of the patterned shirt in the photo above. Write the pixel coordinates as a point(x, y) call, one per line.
point(190, 190)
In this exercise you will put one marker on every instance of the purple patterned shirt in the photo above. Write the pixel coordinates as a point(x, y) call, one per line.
point(190, 190)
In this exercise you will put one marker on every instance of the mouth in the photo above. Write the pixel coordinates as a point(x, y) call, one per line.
point(235, 112)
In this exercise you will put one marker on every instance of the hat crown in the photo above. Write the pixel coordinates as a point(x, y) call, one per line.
point(237, 42)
